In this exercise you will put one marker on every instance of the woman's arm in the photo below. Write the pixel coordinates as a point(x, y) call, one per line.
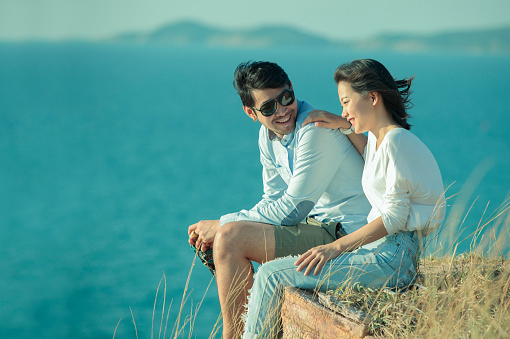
point(333, 121)
point(318, 256)
point(359, 141)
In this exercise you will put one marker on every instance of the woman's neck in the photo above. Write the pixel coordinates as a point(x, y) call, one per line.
point(382, 127)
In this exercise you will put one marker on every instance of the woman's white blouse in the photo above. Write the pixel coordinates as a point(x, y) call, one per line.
point(402, 181)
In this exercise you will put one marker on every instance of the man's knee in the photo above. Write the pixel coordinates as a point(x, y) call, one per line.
point(251, 240)
point(228, 236)
point(229, 231)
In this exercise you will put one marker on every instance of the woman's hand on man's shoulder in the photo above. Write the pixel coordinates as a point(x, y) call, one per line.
point(326, 119)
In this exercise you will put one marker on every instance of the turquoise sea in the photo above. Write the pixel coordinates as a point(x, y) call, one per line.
point(109, 152)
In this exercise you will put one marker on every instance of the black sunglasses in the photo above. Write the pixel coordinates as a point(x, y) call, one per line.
point(268, 108)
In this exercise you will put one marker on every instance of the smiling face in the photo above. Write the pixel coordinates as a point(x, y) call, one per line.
point(283, 121)
point(357, 109)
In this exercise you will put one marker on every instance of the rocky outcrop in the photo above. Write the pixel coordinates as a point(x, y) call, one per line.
point(318, 315)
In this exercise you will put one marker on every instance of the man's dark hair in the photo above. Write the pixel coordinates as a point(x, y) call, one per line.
point(252, 75)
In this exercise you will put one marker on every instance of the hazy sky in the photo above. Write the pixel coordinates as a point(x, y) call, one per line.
point(340, 19)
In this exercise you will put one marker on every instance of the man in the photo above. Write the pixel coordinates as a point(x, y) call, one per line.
point(307, 172)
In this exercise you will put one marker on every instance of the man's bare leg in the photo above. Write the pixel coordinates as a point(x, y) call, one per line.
point(235, 245)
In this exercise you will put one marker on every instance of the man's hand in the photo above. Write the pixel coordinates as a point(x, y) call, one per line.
point(317, 257)
point(201, 234)
point(326, 119)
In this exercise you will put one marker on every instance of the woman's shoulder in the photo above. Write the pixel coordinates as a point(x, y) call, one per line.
point(399, 133)
point(403, 142)
point(400, 137)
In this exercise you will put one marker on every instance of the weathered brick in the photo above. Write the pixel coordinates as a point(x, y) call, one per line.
point(303, 316)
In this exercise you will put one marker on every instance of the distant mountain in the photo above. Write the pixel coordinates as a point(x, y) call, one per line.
point(187, 33)
point(480, 42)
point(190, 33)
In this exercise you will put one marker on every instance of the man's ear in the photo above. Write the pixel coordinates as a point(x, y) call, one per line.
point(250, 112)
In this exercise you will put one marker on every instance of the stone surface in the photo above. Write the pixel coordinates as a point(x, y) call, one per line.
point(304, 316)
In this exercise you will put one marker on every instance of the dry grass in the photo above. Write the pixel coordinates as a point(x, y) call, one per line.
point(466, 296)
point(183, 327)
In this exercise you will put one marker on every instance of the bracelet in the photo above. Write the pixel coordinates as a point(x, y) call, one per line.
point(347, 131)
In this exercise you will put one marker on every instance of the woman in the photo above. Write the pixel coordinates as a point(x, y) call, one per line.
point(401, 180)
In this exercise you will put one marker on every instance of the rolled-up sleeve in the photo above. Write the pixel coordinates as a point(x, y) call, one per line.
point(396, 200)
point(414, 196)
point(318, 155)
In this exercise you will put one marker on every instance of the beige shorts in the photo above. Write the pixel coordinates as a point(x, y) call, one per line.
point(296, 240)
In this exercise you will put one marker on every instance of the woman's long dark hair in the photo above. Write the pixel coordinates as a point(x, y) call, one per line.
point(367, 75)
